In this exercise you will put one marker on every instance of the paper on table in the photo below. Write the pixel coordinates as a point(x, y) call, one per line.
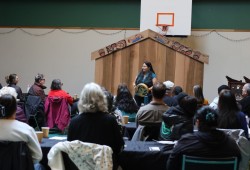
point(154, 148)
point(167, 142)
point(59, 137)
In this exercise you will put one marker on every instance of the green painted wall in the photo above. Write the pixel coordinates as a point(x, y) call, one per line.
point(206, 14)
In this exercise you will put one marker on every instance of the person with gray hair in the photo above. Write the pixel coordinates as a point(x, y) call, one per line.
point(245, 102)
point(168, 99)
point(94, 124)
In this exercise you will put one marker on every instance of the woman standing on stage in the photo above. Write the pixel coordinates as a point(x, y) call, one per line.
point(146, 76)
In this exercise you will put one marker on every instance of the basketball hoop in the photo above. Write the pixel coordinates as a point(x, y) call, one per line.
point(164, 28)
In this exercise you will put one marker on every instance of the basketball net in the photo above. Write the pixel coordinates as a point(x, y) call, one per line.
point(163, 30)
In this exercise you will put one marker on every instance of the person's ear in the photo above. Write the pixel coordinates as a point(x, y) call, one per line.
point(197, 122)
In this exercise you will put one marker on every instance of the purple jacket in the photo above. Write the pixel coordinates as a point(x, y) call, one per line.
point(57, 112)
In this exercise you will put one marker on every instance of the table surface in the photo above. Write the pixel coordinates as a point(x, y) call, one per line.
point(136, 154)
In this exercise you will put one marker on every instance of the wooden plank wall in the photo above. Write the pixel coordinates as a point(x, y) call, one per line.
point(123, 66)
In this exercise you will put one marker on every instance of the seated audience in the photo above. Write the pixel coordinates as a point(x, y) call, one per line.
point(12, 81)
point(245, 102)
point(214, 103)
point(94, 124)
point(178, 120)
point(14, 130)
point(206, 142)
point(56, 91)
point(125, 103)
point(20, 115)
point(111, 107)
point(168, 99)
point(230, 116)
point(176, 90)
point(37, 89)
point(149, 117)
point(198, 93)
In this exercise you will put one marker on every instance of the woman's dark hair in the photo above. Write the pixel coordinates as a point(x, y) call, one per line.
point(189, 105)
point(198, 93)
point(11, 79)
point(8, 106)
point(110, 100)
point(177, 90)
point(124, 100)
point(207, 119)
point(56, 84)
point(149, 65)
point(227, 111)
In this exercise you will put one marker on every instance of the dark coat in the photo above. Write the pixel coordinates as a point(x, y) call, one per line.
point(214, 144)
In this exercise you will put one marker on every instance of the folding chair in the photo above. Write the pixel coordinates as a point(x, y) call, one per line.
point(202, 163)
point(33, 106)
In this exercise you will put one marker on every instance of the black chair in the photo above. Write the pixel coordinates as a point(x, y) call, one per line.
point(202, 163)
point(15, 156)
point(34, 110)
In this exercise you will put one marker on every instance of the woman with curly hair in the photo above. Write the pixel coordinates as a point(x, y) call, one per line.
point(125, 102)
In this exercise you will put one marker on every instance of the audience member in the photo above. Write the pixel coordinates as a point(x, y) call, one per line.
point(214, 103)
point(37, 89)
point(56, 91)
point(12, 81)
point(125, 102)
point(112, 108)
point(245, 102)
point(178, 120)
point(206, 142)
point(198, 93)
point(149, 117)
point(168, 99)
point(20, 115)
point(14, 130)
point(176, 90)
point(146, 76)
point(94, 124)
point(230, 116)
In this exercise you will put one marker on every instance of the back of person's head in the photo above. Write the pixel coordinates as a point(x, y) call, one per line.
point(109, 98)
point(124, 99)
point(227, 101)
point(56, 84)
point(198, 93)
point(11, 79)
point(207, 119)
point(149, 66)
point(92, 99)
point(223, 87)
point(158, 90)
point(8, 106)
point(177, 90)
point(189, 105)
point(246, 87)
point(39, 77)
point(8, 90)
point(169, 85)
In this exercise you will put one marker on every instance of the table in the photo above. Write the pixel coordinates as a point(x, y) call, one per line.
point(129, 130)
point(135, 156)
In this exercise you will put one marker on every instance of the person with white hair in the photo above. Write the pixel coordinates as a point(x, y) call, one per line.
point(20, 115)
point(168, 99)
point(94, 124)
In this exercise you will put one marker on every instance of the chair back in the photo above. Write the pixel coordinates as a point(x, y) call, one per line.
point(15, 156)
point(33, 106)
point(202, 163)
point(57, 112)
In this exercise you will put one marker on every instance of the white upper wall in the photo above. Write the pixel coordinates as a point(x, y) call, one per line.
point(67, 56)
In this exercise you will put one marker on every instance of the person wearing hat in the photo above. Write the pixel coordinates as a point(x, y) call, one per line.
point(37, 89)
point(168, 99)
